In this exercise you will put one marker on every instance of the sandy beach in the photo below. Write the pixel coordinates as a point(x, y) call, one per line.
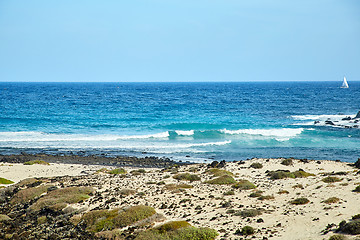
point(222, 207)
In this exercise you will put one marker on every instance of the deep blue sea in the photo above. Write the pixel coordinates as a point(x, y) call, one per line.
point(183, 121)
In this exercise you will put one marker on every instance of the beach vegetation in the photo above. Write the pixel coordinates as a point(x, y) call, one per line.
point(105, 220)
point(283, 192)
point(331, 200)
point(330, 179)
point(337, 237)
point(357, 216)
point(138, 172)
point(28, 194)
point(32, 162)
point(251, 212)
point(357, 189)
point(222, 180)
point(174, 187)
point(177, 230)
point(126, 192)
point(41, 220)
point(5, 181)
point(193, 169)
point(244, 185)
point(352, 227)
point(287, 162)
point(256, 165)
point(298, 186)
point(281, 174)
point(266, 197)
point(228, 193)
point(58, 199)
point(187, 177)
point(300, 201)
point(216, 172)
point(117, 171)
point(256, 194)
point(29, 182)
point(245, 231)
point(102, 170)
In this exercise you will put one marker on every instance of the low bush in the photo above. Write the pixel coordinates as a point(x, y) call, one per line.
point(126, 192)
point(218, 172)
point(244, 185)
point(283, 192)
point(357, 216)
point(187, 177)
point(337, 237)
point(222, 180)
point(256, 165)
point(256, 194)
point(267, 197)
point(352, 227)
point(138, 172)
point(5, 181)
point(280, 174)
point(25, 195)
point(252, 212)
point(58, 199)
point(247, 230)
point(357, 189)
point(105, 220)
point(300, 201)
point(117, 171)
point(331, 200)
point(177, 230)
point(331, 179)
point(41, 162)
point(287, 162)
point(229, 193)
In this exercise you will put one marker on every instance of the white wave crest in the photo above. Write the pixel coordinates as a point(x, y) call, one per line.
point(185, 133)
point(320, 117)
point(280, 134)
point(156, 135)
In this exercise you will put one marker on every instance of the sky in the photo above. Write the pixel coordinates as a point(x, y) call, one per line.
point(179, 40)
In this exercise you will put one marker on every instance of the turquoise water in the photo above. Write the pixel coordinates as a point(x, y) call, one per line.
point(184, 121)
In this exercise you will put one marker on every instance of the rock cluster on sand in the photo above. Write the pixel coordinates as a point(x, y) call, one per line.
point(284, 199)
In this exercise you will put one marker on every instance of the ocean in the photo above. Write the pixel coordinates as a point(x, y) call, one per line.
point(183, 121)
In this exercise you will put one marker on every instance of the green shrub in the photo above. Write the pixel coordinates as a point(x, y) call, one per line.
point(117, 171)
point(4, 218)
point(337, 237)
point(247, 230)
point(287, 162)
point(331, 179)
point(283, 192)
point(138, 172)
point(352, 227)
point(104, 220)
point(218, 172)
point(300, 201)
point(280, 174)
point(267, 197)
point(187, 177)
point(222, 180)
point(357, 216)
point(177, 230)
point(331, 200)
point(25, 195)
point(252, 212)
point(126, 192)
point(256, 165)
point(173, 187)
point(244, 185)
point(41, 162)
point(256, 194)
point(357, 189)
point(58, 199)
point(5, 181)
point(229, 193)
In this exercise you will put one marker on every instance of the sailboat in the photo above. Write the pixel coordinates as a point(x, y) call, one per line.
point(345, 84)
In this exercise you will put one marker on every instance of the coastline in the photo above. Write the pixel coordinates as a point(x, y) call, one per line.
point(214, 206)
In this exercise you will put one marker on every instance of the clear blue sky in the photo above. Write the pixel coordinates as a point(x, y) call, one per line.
point(179, 40)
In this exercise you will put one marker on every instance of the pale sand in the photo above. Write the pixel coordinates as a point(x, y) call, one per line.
point(282, 221)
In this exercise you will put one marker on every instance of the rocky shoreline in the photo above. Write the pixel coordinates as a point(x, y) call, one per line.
point(259, 199)
point(124, 161)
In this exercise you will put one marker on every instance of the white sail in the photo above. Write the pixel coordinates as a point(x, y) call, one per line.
point(345, 84)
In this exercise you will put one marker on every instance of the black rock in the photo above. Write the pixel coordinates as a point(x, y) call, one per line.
point(357, 115)
point(346, 119)
point(329, 122)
